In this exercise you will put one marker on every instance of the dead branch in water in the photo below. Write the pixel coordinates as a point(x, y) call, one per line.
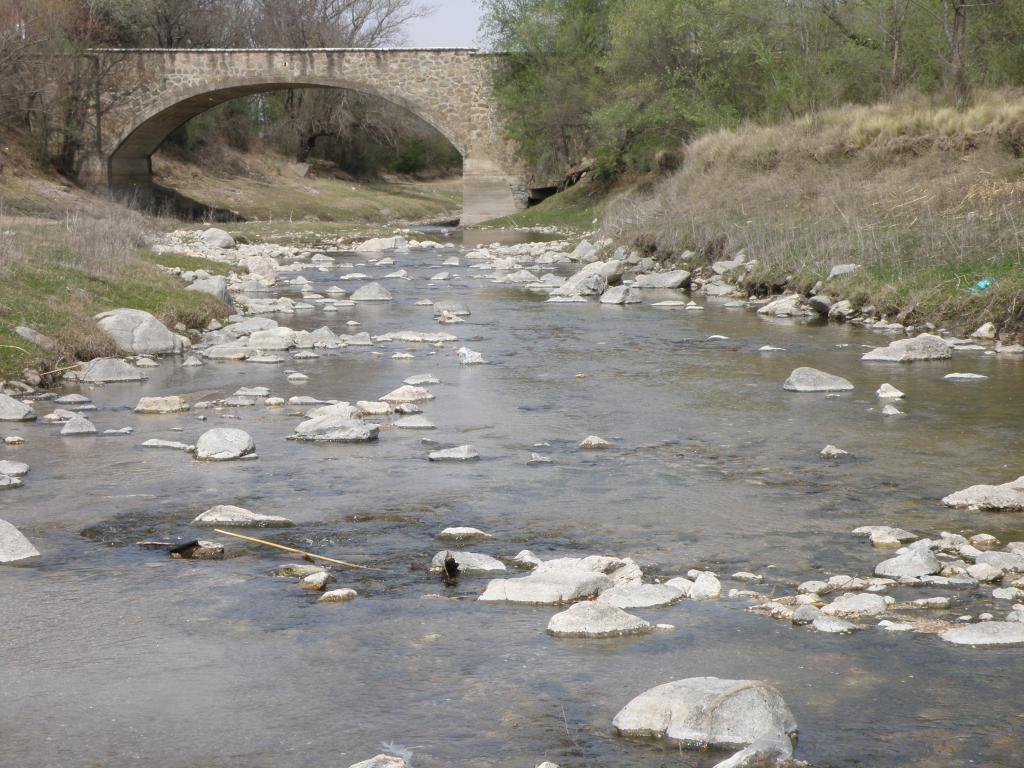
point(295, 551)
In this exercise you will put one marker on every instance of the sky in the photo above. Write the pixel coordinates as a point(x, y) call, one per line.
point(453, 24)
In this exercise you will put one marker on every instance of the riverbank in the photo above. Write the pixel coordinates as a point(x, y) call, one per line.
point(925, 200)
point(66, 254)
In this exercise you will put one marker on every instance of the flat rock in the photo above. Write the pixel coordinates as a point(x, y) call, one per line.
point(1008, 496)
point(224, 444)
point(407, 394)
point(335, 429)
point(923, 347)
point(986, 633)
point(238, 517)
point(812, 380)
point(78, 425)
point(460, 453)
point(169, 444)
point(546, 587)
point(832, 625)
point(856, 604)
point(342, 595)
point(462, 533)
point(173, 404)
point(14, 547)
point(704, 712)
point(104, 370)
point(674, 279)
point(422, 380)
point(13, 468)
point(630, 596)
point(381, 761)
point(414, 422)
point(596, 620)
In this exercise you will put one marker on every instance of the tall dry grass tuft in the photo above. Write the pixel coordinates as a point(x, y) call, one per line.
point(102, 246)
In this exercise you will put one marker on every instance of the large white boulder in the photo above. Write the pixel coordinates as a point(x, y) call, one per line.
point(217, 238)
point(628, 596)
point(15, 410)
point(14, 547)
point(1008, 496)
point(812, 380)
point(564, 580)
point(701, 712)
point(381, 761)
point(595, 619)
point(171, 404)
point(459, 453)
point(224, 444)
point(923, 347)
point(139, 333)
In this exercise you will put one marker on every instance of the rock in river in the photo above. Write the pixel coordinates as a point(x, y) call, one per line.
point(138, 333)
point(461, 453)
point(371, 292)
point(630, 596)
point(13, 468)
point(674, 279)
point(596, 619)
point(224, 444)
point(15, 410)
point(469, 562)
point(813, 380)
point(342, 595)
point(105, 370)
point(923, 347)
point(1008, 496)
point(709, 712)
point(14, 547)
point(856, 604)
point(563, 580)
point(915, 562)
point(593, 442)
point(381, 761)
point(462, 533)
point(173, 404)
point(987, 633)
point(78, 425)
point(335, 429)
point(407, 394)
point(238, 517)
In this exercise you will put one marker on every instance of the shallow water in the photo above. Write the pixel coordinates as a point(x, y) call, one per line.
point(111, 654)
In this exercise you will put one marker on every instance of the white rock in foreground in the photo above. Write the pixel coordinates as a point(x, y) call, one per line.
point(709, 712)
point(13, 468)
point(593, 442)
point(888, 392)
point(1008, 496)
point(407, 393)
point(238, 517)
point(105, 370)
point(343, 595)
point(468, 357)
point(381, 761)
point(224, 444)
point(596, 619)
point(923, 347)
point(812, 380)
point(915, 562)
point(629, 596)
point(14, 547)
point(564, 580)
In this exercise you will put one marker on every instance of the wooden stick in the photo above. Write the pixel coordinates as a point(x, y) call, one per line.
point(294, 551)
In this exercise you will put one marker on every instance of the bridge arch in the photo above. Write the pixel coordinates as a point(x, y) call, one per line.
point(148, 93)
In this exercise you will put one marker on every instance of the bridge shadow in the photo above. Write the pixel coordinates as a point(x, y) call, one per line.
point(165, 201)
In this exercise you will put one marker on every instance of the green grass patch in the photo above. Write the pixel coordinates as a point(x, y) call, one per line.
point(575, 209)
point(52, 295)
point(189, 263)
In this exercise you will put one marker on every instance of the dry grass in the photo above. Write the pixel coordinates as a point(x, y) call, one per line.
point(927, 199)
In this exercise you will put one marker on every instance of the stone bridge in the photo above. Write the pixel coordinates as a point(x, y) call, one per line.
point(144, 94)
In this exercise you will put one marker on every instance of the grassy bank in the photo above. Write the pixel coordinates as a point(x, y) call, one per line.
point(576, 209)
point(58, 274)
point(927, 199)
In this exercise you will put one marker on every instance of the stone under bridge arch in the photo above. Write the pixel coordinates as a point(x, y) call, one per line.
point(145, 94)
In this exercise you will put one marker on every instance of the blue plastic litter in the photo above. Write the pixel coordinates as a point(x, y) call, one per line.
point(980, 286)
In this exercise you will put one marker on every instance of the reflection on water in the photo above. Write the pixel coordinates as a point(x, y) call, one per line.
point(112, 654)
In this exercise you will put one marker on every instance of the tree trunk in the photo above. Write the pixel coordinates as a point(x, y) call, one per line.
point(956, 39)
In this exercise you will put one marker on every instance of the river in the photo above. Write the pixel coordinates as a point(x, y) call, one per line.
point(112, 655)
